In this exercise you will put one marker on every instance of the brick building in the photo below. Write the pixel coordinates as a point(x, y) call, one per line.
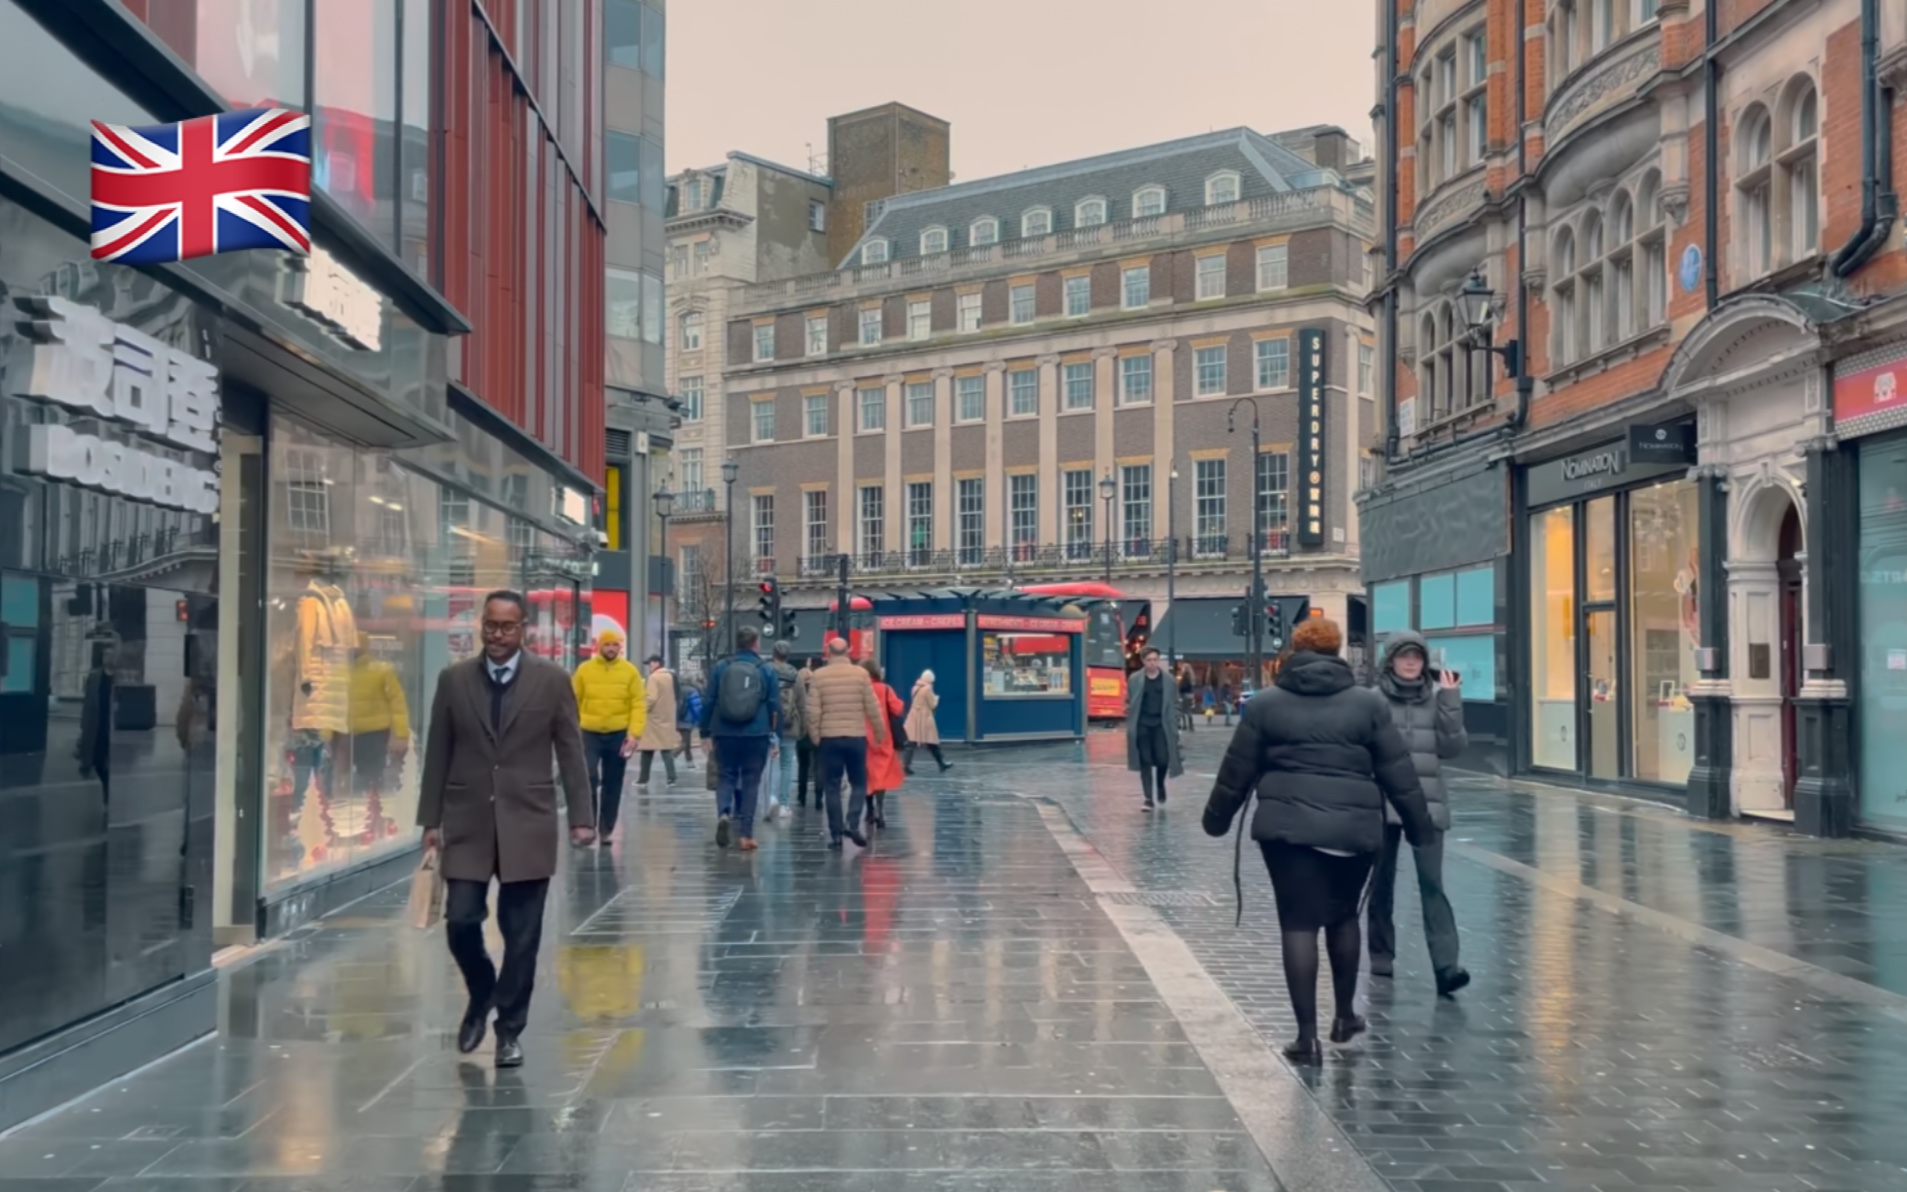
point(1640, 266)
point(945, 404)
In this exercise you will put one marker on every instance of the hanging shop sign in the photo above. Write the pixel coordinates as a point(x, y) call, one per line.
point(1870, 391)
point(330, 295)
point(1311, 436)
point(155, 395)
point(1663, 443)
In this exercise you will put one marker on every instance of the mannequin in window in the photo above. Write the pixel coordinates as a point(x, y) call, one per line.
point(326, 633)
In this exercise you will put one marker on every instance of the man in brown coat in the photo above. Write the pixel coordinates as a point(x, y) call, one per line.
point(841, 710)
point(489, 806)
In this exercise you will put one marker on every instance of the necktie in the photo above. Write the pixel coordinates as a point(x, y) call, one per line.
point(500, 681)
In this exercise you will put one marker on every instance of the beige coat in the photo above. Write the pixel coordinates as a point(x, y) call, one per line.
point(921, 728)
point(659, 733)
point(490, 791)
point(841, 703)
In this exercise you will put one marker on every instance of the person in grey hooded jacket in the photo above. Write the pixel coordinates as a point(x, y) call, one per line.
point(1427, 707)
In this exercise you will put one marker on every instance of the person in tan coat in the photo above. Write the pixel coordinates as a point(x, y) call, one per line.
point(488, 807)
point(659, 732)
point(841, 713)
point(921, 727)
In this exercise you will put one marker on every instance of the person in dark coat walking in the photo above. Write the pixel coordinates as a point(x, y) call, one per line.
point(1322, 756)
point(1427, 707)
point(1152, 728)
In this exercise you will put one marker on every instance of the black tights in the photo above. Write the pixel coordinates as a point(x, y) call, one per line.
point(1301, 972)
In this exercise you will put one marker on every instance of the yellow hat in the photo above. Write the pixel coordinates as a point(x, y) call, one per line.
point(607, 636)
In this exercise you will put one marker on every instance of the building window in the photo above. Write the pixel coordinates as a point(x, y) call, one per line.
point(920, 404)
point(622, 300)
point(1756, 135)
point(704, 249)
point(817, 216)
point(969, 310)
point(817, 335)
point(1208, 508)
point(1135, 287)
point(688, 471)
point(1563, 301)
point(764, 342)
point(1654, 282)
point(764, 417)
point(1799, 160)
point(933, 241)
point(1079, 296)
point(1272, 492)
point(1274, 363)
point(920, 523)
point(1208, 367)
point(1366, 366)
point(764, 522)
point(1135, 509)
point(985, 230)
point(1271, 267)
point(1211, 277)
point(971, 503)
point(688, 581)
point(1024, 387)
point(1135, 380)
point(690, 324)
point(1089, 213)
point(1622, 268)
point(1592, 287)
point(307, 492)
point(1037, 222)
point(1020, 302)
point(692, 399)
point(814, 516)
point(1221, 188)
point(1077, 486)
point(873, 408)
point(970, 398)
point(1079, 385)
point(815, 410)
point(1023, 511)
point(873, 520)
point(920, 319)
point(874, 252)
point(1148, 202)
point(871, 327)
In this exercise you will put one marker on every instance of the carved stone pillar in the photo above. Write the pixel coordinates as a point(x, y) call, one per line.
point(1824, 716)
point(1711, 779)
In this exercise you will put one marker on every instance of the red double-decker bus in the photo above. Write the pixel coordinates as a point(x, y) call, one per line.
point(1117, 627)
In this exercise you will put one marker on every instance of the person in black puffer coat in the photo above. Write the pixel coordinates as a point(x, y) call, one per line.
point(1427, 707)
point(1322, 756)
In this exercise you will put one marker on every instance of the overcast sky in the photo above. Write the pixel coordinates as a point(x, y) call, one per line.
point(1023, 82)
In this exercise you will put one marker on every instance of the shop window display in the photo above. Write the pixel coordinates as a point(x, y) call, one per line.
point(1553, 639)
point(1883, 624)
point(1027, 664)
point(1664, 560)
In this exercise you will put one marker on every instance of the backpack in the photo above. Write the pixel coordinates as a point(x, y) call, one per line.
point(738, 696)
point(793, 715)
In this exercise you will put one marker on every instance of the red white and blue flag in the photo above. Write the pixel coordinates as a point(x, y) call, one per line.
point(170, 192)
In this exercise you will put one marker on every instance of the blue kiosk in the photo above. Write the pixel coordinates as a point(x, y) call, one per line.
point(1008, 666)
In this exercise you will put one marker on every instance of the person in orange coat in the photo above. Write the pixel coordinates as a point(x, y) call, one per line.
point(884, 772)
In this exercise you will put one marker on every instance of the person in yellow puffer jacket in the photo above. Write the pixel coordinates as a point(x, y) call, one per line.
point(610, 706)
point(379, 720)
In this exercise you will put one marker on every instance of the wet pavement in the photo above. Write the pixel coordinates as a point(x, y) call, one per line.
point(1028, 984)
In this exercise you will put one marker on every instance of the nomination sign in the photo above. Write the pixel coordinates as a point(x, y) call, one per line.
point(153, 394)
point(1312, 441)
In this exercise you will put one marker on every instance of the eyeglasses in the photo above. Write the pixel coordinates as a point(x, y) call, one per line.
point(502, 628)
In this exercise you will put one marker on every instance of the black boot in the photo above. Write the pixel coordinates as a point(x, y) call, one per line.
point(1145, 784)
point(879, 811)
point(907, 761)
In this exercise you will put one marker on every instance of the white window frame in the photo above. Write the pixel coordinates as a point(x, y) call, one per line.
point(872, 416)
point(1135, 383)
point(817, 335)
point(1080, 286)
point(1366, 369)
point(817, 216)
point(1135, 287)
point(968, 308)
point(970, 520)
point(920, 516)
point(814, 527)
point(756, 425)
point(1148, 202)
point(1017, 389)
point(1211, 268)
point(870, 516)
point(764, 343)
point(875, 251)
point(762, 521)
point(1135, 509)
point(689, 330)
point(917, 416)
point(934, 240)
point(1205, 381)
point(1090, 212)
point(1081, 397)
point(920, 319)
point(872, 319)
point(1274, 267)
point(688, 470)
point(1036, 221)
point(1215, 195)
point(1015, 308)
point(964, 389)
point(1210, 493)
point(810, 405)
point(984, 231)
point(1023, 514)
point(1077, 495)
point(694, 398)
point(1271, 364)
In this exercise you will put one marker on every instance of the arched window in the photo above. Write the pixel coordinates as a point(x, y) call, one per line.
point(1222, 187)
point(933, 241)
point(1754, 188)
point(1563, 297)
point(1622, 267)
point(1800, 164)
point(985, 230)
point(874, 252)
point(1652, 297)
point(1148, 201)
point(1037, 222)
point(1430, 400)
point(1089, 213)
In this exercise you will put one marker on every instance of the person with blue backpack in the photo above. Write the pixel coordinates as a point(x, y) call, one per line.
point(740, 721)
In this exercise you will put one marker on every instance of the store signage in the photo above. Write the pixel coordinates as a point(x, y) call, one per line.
point(926, 621)
point(1311, 436)
point(1608, 466)
point(1031, 624)
point(72, 356)
point(1870, 384)
point(324, 291)
point(1663, 443)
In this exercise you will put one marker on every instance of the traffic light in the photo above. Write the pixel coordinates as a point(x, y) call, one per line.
point(789, 630)
point(1241, 626)
point(1274, 625)
point(770, 603)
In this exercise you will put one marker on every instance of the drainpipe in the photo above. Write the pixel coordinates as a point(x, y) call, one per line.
point(1878, 207)
point(1711, 147)
point(1525, 384)
point(1390, 229)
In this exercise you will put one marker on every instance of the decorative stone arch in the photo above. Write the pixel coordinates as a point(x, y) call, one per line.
point(1757, 510)
point(1742, 338)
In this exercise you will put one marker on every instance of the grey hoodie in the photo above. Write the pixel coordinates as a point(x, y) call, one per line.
point(1430, 719)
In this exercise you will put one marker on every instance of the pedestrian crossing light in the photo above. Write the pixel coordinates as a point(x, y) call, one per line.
point(789, 630)
point(1240, 622)
point(1274, 624)
point(770, 603)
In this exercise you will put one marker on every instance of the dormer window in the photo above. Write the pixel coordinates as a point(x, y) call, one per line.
point(692, 195)
point(874, 252)
point(933, 241)
point(1090, 213)
point(985, 230)
point(1148, 202)
point(1221, 188)
point(1037, 222)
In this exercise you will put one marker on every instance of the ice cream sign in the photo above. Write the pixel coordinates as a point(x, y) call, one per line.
point(1869, 385)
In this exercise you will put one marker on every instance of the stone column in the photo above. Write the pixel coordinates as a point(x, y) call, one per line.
point(894, 511)
point(1050, 529)
point(943, 461)
point(996, 468)
point(848, 424)
point(1711, 780)
point(1824, 718)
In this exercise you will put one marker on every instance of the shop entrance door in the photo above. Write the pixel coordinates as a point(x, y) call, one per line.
point(1791, 627)
point(1603, 703)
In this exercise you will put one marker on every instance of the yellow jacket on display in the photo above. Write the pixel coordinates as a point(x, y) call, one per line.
point(609, 696)
point(377, 699)
point(327, 632)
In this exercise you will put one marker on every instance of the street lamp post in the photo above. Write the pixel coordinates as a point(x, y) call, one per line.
point(665, 505)
point(1107, 490)
point(730, 470)
point(1255, 600)
point(1171, 561)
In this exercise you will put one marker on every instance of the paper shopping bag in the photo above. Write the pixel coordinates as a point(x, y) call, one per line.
point(427, 893)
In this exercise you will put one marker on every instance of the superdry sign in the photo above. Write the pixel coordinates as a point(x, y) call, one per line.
point(1312, 378)
point(1870, 391)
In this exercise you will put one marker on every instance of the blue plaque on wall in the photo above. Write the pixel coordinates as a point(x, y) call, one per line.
point(1691, 271)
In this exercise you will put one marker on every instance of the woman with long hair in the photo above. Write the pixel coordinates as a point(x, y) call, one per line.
point(884, 771)
point(1322, 756)
point(922, 730)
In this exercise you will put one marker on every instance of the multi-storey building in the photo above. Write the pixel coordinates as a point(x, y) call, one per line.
point(1031, 378)
point(1641, 321)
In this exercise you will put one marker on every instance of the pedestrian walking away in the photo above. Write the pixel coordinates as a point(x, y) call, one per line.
point(1225, 702)
point(1322, 756)
point(778, 779)
point(1427, 706)
point(661, 732)
point(1186, 697)
point(1152, 729)
point(739, 720)
point(614, 712)
point(884, 771)
point(488, 806)
point(807, 773)
point(842, 715)
point(689, 719)
point(923, 731)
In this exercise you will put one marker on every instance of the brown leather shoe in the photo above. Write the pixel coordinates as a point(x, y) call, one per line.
point(749, 845)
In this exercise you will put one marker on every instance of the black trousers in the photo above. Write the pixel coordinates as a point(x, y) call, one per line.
point(843, 760)
point(804, 772)
point(1440, 922)
point(520, 920)
point(1155, 759)
point(607, 766)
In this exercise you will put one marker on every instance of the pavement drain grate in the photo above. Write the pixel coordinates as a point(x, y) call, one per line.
point(1160, 898)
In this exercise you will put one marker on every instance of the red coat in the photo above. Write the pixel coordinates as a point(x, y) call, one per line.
point(884, 771)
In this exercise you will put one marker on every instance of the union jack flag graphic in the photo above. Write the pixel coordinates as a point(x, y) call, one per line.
point(170, 192)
